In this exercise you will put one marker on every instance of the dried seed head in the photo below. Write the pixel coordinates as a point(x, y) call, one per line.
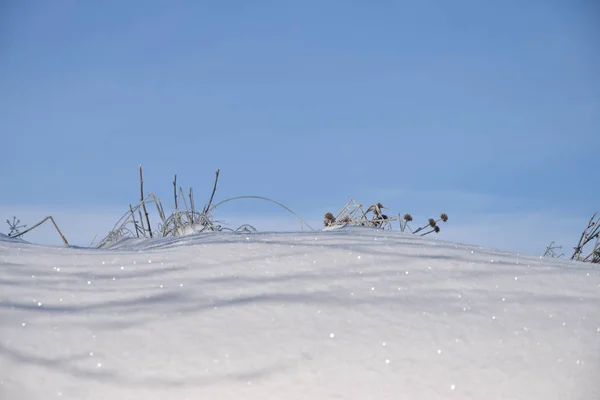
point(329, 219)
point(432, 222)
point(444, 217)
point(408, 217)
point(436, 229)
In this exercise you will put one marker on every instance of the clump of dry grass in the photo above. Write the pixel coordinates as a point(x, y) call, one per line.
point(352, 214)
point(183, 219)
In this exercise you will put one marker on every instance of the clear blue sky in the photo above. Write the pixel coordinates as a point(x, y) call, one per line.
point(484, 110)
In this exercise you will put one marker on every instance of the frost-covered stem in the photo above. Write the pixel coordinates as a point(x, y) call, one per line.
point(125, 218)
point(364, 214)
point(404, 224)
point(594, 233)
point(595, 253)
point(187, 210)
point(585, 238)
point(550, 251)
point(137, 229)
point(143, 202)
point(40, 223)
point(143, 227)
point(161, 210)
point(159, 207)
point(425, 226)
point(260, 198)
point(175, 191)
point(93, 240)
point(207, 206)
point(191, 195)
point(400, 222)
point(420, 229)
point(59, 232)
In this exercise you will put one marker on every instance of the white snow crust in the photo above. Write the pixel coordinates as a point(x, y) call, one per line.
point(347, 314)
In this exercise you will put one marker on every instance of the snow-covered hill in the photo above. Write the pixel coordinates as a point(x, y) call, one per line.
point(350, 314)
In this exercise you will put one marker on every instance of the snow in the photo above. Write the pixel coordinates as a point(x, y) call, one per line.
point(347, 314)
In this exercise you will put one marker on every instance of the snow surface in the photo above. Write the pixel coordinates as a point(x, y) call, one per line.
point(349, 314)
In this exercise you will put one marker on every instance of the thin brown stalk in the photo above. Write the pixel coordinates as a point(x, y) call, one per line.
point(143, 202)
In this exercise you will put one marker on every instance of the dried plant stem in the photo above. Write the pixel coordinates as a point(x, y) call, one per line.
point(142, 226)
point(40, 223)
point(143, 202)
point(137, 228)
point(586, 236)
point(159, 206)
point(261, 198)
point(93, 240)
point(192, 199)
point(207, 206)
point(428, 225)
point(182, 220)
point(187, 210)
point(175, 191)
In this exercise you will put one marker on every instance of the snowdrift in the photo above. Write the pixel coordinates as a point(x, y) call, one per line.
point(347, 314)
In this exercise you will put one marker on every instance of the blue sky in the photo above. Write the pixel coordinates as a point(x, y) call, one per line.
point(489, 111)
